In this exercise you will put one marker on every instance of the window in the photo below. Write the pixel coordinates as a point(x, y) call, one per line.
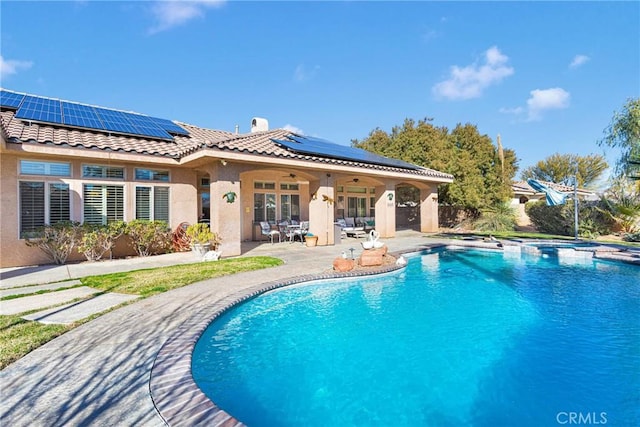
point(98, 171)
point(152, 175)
point(152, 203)
point(372, 206)
point(103, 203)
point(290, 206)
point(264, 207)
point(30, 167)
point(259, 185)
point(289, 186)
point(42, 203)
point(204, 182)
point(356, 206)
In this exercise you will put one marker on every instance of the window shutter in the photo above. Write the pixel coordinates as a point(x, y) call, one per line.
point(161, 203)
point(58, 203)
point(31, 206)
point(115, 203)
point(143, 203)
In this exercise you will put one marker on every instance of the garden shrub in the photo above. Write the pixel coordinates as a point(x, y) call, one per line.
point(57, 240)
point(592, 221)
point(497, 218)
point(149, 237)
point(96, 240)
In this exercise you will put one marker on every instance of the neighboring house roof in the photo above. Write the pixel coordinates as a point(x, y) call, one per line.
point(260, 143)
point(522, 188)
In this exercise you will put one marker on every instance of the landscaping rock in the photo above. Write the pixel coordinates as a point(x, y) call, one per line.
point(342, 264)
point(373, 257)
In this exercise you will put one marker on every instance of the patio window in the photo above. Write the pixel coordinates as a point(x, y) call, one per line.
point(290, 206)
point(263, 185)
point(42, 203)
point(152, 203)
point(356, 207)
point(264, 207)
point(103, 203)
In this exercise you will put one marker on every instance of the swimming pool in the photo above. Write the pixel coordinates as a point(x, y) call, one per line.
point(457, 338)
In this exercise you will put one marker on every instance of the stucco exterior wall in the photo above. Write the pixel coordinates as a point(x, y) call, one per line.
point(14, 251)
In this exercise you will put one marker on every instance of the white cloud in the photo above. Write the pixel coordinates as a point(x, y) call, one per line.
point(293, 129)
point(172, 13)
point(12, 66)
point(470, 81)
point(302, 74)
point(546, 99)
point(541, 100)
point(579, 60)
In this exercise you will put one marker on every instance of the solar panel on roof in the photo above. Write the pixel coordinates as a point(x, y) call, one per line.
point(316, 146)
point(80, 115)
point(40, 109)
point(170, 126)
point(47, 110)
point(115, 121)
point(147, 127)
point(10, 99)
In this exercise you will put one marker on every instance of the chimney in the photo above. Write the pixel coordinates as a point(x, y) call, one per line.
point(259, 124)
point(237, 129)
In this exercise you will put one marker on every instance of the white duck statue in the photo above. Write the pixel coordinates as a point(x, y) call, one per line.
point(373, 242)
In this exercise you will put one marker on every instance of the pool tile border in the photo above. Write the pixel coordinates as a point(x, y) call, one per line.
point(175, 395)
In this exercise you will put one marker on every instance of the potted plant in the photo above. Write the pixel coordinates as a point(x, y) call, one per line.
point(311, 240)
point(201, 238)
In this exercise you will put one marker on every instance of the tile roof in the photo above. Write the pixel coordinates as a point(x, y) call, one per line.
point(258, 143)
point(524, 187)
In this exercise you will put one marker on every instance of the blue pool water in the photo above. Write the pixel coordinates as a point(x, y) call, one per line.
point(459, 338)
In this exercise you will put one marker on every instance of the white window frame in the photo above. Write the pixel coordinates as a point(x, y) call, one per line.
point(46, 166)
point(153, 175)
point(105, 172)
point(152, 202)
point(46, 205)
point(104, 202)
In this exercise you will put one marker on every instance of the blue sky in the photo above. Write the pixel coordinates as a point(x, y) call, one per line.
point(547, 76)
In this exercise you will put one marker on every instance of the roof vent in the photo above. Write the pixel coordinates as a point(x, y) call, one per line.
point(259, 124)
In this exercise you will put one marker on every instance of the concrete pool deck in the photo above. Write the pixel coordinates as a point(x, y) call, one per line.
point(99, 373)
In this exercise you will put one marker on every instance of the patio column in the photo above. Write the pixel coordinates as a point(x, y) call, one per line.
point(226, 209)
point(321, 209)
point(429, 209)
point(386, 209)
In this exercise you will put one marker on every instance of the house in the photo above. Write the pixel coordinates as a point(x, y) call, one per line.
point(62, 160)
point(523, 193)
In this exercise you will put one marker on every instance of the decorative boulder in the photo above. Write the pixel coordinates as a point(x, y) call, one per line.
point(372, 257)
point(342, 264)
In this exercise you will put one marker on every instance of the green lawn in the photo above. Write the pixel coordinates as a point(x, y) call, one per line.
point(18, 336)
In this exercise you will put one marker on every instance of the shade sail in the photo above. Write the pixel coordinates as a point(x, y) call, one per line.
point(554, 197)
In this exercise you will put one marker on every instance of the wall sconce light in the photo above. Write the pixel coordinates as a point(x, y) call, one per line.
point(390, 196)
point(223, 162)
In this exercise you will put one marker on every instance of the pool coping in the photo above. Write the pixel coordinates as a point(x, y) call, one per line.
point(175, 395)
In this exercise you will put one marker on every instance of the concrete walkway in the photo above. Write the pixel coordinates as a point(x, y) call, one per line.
point(98, 374)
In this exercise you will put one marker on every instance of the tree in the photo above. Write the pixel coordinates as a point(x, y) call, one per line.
point(561, 168)
point(624, 132)
point(481, 179)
